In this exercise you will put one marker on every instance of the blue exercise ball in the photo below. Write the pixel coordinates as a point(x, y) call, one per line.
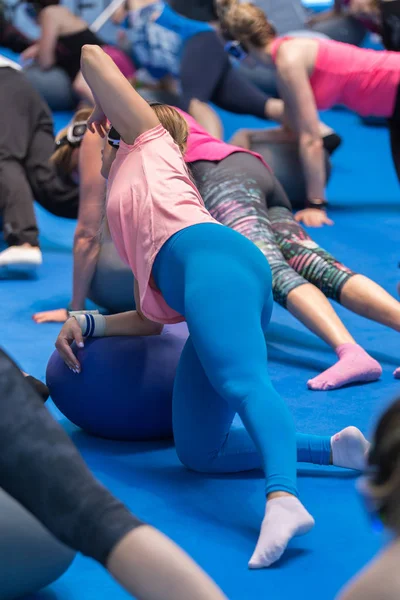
point(124, 391)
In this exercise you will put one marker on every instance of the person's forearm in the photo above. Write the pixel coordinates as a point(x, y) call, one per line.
point(275, 134)
point(131, 323)
point(45, 59)
point(313, 163)
point(152, 567)
point(86, 252)
point(121, 104)
point(207, 118)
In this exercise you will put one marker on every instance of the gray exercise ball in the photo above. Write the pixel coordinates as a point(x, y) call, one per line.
point(54, 86)
point(112, 283)
point(30, 557)
point(284, 160)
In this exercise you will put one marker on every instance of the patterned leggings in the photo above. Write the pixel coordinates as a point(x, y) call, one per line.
point(241, 193)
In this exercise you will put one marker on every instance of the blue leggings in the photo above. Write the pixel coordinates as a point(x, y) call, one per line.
point(221, 283)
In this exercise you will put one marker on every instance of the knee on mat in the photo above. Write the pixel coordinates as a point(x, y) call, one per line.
point(193, 459)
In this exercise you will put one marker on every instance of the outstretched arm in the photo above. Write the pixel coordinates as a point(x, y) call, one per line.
point(92, 188)
point(114, 95)
point(303, 118)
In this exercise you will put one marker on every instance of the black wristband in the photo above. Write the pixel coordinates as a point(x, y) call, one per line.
point(316, 203)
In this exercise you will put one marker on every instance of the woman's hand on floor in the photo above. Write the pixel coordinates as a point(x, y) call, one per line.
point(313, 217)
point(70, 332)
point(30, 53)
point(60, 315)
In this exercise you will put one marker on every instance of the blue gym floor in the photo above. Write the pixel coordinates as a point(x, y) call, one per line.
point(216, 519)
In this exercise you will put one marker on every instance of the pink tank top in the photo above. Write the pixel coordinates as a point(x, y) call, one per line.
point(363, 80)
point(203, 146)
point(150, 197)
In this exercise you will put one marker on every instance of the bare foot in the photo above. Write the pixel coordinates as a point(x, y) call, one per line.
point(60, 315)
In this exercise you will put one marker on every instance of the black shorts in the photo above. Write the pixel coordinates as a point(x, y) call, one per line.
point(207, 75)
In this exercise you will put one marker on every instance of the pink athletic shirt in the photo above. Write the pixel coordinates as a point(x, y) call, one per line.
point(363, 80)
point(150, 197)
point(203, 146)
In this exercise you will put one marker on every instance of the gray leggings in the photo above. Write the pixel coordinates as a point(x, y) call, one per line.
point(242, 193)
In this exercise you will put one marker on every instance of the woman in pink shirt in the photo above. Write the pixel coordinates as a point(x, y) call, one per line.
point(240, 191)
point(314, 75)
point(189, 267)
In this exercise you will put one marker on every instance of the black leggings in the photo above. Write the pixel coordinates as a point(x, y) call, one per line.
point(394, 131)
point(10, 36)
point(207, 75)
point(390, 14)
point(242, 193)
point(26, 173)
point(42, 469)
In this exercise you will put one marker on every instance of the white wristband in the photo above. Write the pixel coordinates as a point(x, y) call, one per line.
point(91, 325)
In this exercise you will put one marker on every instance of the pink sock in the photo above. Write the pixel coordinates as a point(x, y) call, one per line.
point(354, 366)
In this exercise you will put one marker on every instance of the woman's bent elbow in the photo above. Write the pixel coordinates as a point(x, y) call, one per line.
point(311, 142)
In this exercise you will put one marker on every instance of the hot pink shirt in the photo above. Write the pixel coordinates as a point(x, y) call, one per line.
point(203, 146)
point(363, 80)
point(150, 197)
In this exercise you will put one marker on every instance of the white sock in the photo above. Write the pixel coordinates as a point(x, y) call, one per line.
point(285, 518)
point(349, 449)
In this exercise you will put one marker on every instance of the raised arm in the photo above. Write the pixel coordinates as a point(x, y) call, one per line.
point(114, 95)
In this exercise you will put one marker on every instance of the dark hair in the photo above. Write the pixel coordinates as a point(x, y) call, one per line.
point(384, 463)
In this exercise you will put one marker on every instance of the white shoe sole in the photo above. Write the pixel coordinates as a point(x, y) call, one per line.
point(20, 268)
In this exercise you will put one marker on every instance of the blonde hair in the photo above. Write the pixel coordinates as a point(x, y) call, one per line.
point(62, 157)
point(174, 123)
point(246, 23)
point(384, 461)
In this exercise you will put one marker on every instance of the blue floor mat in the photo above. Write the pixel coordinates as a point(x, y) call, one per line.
point(216, 519)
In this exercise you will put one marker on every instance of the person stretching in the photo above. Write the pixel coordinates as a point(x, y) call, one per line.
point(240, 191)
point(189, 267)
point(317, 74)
